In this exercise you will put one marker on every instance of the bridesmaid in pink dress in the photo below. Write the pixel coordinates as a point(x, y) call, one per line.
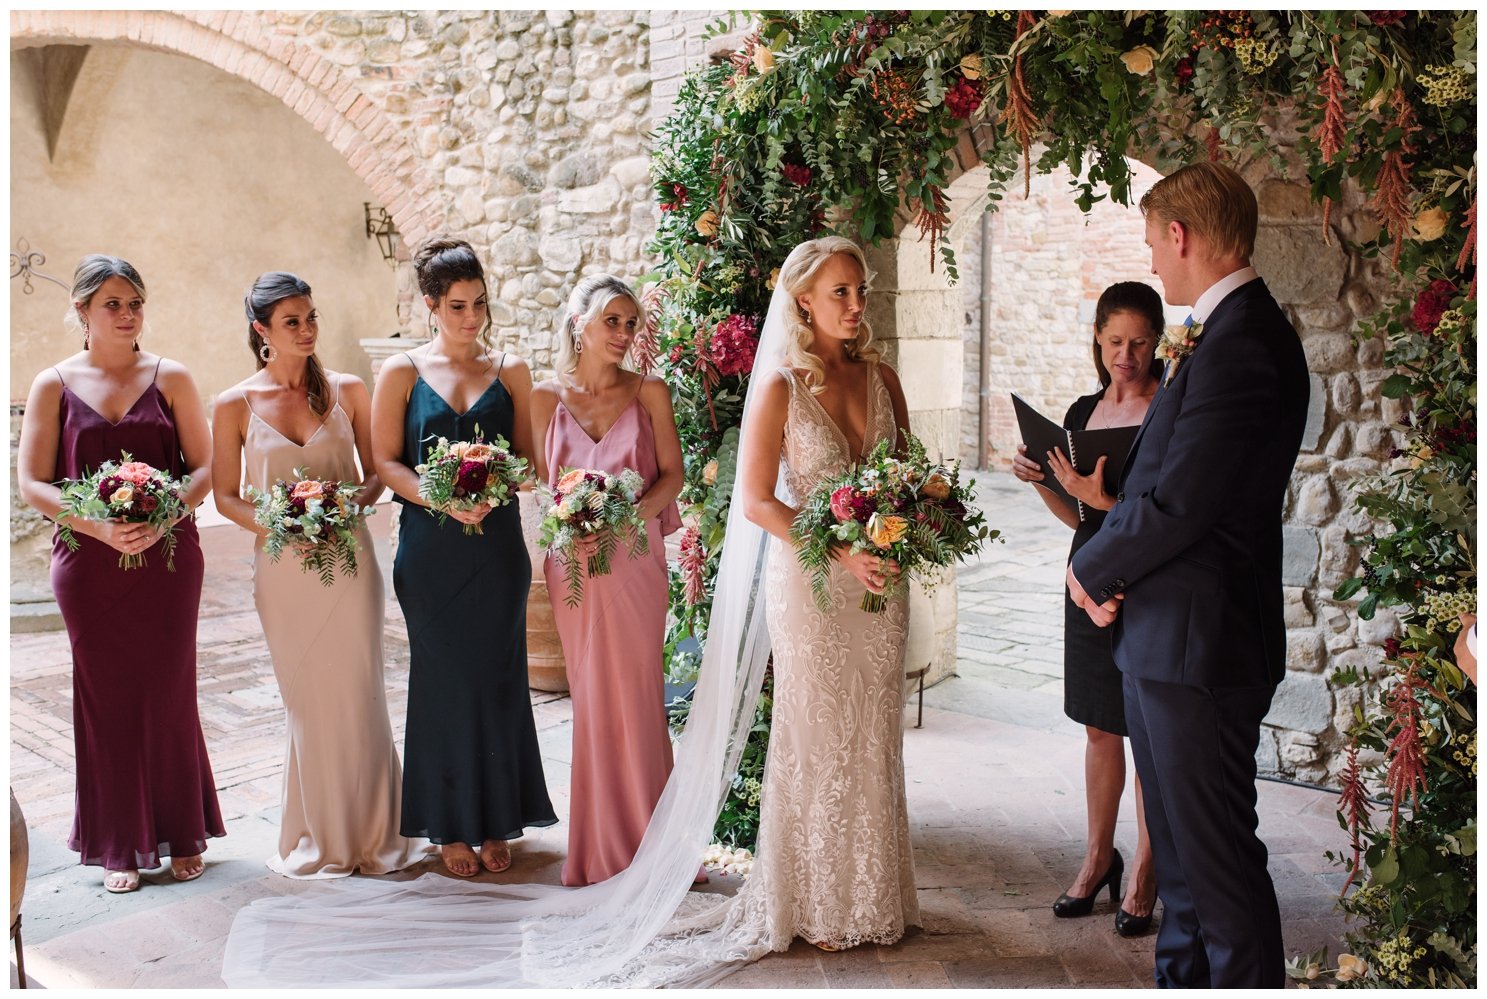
point(598, 415)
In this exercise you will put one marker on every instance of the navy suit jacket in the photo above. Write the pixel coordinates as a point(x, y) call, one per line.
point(1194, 540)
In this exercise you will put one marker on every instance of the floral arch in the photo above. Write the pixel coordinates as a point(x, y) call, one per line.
point(858, 123)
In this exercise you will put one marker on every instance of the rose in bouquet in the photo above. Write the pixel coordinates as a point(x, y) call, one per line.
point(129, 491)
point(911, 510)
point(461, 475)
point(586, 516)
point(314, 518)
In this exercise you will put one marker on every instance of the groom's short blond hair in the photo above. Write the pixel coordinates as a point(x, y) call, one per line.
point(1211, 200)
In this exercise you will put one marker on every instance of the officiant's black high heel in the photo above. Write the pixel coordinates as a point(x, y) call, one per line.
point(1077, 905)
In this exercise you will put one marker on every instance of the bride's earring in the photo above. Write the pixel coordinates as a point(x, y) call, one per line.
point(807, 313)
point(267, 352)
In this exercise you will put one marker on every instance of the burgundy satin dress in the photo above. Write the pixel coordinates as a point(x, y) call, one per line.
point(144, 784)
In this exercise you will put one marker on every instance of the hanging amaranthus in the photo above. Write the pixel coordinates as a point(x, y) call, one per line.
point(1018, 115)
point(648, 340)
point(933, 220)
point(1391, 199)
point(692, 560)
point(1469, 251)
point(1332, 133)
point(1405, 776)
point(1353, 804)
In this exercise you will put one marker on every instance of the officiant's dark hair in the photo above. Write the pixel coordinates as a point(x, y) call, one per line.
point(1138, 299)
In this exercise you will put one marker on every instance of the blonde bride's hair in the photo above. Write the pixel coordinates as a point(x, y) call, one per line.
point(795, 277)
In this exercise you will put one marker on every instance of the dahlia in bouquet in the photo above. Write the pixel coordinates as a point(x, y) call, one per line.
point(133, 492)
point(461, 475)
point(910, 509)
point(588, 504)
point(314, 518)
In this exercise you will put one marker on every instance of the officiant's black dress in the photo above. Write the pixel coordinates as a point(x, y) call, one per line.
point(1092, 683)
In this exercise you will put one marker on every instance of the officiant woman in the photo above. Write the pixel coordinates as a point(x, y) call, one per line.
point(1128, 324)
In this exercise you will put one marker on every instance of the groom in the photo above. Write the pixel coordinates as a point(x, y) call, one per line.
point(1188, 568)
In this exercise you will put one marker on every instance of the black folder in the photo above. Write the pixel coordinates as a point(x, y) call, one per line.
point(1083, 449)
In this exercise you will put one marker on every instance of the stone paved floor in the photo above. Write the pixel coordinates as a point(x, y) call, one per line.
point(994, 786)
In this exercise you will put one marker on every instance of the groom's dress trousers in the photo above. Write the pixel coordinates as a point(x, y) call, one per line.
point(1194, 544)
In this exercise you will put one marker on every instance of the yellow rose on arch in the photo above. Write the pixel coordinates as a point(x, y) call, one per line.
point(1140, 60)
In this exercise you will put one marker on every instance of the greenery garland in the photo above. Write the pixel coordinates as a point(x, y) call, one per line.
point(831, 121)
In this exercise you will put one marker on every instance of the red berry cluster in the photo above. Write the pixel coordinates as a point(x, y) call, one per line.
point(1223, 29)
point(1384, 18)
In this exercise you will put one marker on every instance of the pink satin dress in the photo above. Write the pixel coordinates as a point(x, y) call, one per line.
point(612, 642)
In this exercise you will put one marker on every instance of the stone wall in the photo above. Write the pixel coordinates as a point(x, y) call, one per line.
point(532, 124)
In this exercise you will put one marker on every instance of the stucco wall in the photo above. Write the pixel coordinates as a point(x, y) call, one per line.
point(202, 181)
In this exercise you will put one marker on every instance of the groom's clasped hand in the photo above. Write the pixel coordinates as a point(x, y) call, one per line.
point(1102, 614)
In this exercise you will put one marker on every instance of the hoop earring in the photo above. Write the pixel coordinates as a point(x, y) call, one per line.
point(266, 353)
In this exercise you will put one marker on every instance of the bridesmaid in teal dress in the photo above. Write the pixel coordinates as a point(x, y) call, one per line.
point(472, 772)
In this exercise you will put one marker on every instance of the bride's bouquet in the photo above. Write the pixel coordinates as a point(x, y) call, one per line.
point(911, 510)
point(461, 475)
point(133, 492)
point(314, 518)
point(588, 504)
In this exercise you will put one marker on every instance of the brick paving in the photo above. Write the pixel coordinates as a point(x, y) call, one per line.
point(994, 785)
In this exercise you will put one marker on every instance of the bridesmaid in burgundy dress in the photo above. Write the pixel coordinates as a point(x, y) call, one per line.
point(598, 415)
point(144, 784)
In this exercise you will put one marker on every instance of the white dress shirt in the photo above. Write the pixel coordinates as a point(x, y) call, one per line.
point(1220, 290)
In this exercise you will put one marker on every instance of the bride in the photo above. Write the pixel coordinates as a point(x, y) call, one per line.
point(834, 862)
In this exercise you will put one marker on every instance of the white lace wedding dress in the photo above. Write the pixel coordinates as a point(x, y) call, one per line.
point(834, 858)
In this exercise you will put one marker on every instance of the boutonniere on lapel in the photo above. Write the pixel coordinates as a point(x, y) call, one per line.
point(1177, 342)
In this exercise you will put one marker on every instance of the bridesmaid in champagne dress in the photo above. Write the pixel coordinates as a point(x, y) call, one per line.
point(144, 783)
point(834, 863)
point(598, 415)
point(473, 766)
point(342, 780)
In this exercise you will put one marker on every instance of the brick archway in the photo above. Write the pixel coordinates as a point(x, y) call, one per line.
point(308, 84)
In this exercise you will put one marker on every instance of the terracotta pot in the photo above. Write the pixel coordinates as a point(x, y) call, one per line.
point(546, 667)
point(20, 857)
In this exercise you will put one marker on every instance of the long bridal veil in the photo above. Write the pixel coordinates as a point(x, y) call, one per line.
point(640, 928)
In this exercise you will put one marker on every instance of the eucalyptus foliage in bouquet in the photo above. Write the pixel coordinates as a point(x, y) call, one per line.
point(133, 492)
point(911, 510)
point(461, 475)
point(316, 519)
point(588, 504)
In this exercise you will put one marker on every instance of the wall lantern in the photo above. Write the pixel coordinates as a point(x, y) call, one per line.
point(381, 227)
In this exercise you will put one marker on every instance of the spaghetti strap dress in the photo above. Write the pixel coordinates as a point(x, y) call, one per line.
point(342, 781)
point(472, 770)
point(145, 790)
point(612, 642)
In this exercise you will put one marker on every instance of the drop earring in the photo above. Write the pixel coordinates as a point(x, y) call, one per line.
point(86, 336)
point(807, 314)
point(267, 352)
point(433, 329)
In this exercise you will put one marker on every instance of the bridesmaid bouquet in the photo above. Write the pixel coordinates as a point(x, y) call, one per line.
point(133, 492)
point(911, 510)
point(316, 519)
point(591, 504)
point(461, 475)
